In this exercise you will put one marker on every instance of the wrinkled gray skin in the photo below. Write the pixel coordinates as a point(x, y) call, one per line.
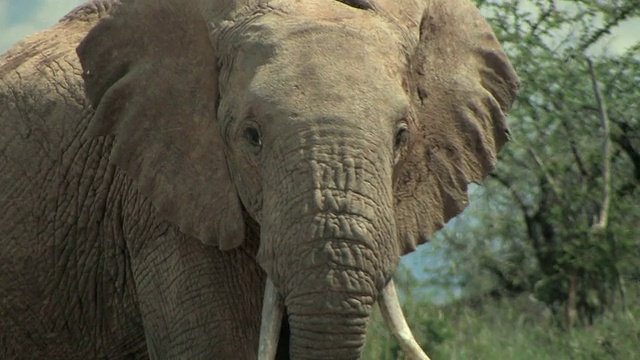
point(153, 180)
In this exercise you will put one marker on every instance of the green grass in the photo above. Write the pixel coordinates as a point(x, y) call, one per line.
point(518, 329)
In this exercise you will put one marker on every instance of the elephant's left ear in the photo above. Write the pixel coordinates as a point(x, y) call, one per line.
point(151, 74)
point(462, 87)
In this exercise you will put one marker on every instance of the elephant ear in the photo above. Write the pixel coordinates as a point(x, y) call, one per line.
point(462, 85)
point(151, 75)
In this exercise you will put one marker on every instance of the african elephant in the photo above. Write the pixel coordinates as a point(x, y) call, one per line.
point(171, 169)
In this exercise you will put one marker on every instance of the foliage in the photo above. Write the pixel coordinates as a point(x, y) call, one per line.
point(518, 328)
point(558, 217)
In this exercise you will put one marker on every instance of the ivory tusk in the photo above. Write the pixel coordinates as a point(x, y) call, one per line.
point(393, 316)
point(272, 312)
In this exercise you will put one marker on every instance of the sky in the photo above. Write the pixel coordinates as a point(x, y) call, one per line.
point(19, 18)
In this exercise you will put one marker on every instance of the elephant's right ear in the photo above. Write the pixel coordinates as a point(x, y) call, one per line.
point(151, 74)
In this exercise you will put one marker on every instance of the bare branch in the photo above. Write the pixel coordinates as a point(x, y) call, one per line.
point(606, 151)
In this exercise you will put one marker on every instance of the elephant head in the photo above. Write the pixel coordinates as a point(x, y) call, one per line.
point(347, 130)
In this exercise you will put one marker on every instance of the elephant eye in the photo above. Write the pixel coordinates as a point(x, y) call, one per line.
point(402, 136)
point(400, 141)
point(253, 136)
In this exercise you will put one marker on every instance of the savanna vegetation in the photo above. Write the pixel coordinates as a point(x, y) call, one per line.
point(545, 264)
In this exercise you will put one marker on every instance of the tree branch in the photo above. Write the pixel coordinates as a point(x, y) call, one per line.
point(547, 175)
point(625, 144)
point(601, 222)
point(574, 149)
point(523, 206)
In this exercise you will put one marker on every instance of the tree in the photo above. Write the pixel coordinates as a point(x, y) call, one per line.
point(559, 215)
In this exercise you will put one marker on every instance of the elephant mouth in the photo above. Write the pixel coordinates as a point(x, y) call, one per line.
point(273, 311)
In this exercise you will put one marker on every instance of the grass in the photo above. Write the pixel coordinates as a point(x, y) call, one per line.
point(517, 329)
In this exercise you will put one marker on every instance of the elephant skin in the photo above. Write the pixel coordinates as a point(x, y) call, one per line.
point(161, 159)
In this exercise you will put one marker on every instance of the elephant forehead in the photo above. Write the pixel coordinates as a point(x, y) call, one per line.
point(320, 66)
point(355, 45)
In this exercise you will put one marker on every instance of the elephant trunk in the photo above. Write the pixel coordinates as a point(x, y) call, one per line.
point(329, 308)
point(336, 250)
point(329, 298)
point(327, 336)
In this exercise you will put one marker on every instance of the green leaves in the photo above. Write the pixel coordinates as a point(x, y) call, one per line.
point(559, 211)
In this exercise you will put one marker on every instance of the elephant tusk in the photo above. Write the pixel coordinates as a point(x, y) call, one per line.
point(393, 316)
point(272, 312)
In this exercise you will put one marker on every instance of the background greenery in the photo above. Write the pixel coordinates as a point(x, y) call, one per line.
point(545, 264)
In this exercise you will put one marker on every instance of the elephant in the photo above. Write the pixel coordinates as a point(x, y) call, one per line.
point(235, 179)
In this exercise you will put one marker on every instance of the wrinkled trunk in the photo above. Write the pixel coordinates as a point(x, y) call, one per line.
point(331, 284)
point(270, 329)
point(330, 304)
point(327, 336)
point(335, 249)
point(329, 295)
